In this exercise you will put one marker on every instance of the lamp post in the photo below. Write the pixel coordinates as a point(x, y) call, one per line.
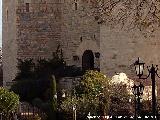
point(139, 67)
point(138, 92)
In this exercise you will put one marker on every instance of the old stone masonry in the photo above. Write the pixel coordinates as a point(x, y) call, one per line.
point(34, 29)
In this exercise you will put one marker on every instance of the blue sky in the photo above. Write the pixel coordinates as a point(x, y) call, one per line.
point(0, 23)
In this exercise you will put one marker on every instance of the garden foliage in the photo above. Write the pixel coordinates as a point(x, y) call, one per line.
point(9, 102)
point(97, 95)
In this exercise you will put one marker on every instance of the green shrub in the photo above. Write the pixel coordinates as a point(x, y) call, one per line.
point(9, 102)
point(26, 69)
point(87, 96)
point(97, 95)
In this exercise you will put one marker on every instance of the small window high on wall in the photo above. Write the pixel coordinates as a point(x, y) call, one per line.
point(27, 7)
point(76, 4)
point(7, 14)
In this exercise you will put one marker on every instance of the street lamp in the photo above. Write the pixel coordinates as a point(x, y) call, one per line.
point(138, 92)
point(139, 67)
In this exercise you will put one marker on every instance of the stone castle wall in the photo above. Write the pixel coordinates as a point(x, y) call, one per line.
point(49, 23)
point(36, 32)
point(39, 26)
point(34, 29)
point(80, 32)
point(120, 49)
point(9, 43)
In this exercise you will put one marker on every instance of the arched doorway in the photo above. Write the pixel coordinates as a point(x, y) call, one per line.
point(88, 60)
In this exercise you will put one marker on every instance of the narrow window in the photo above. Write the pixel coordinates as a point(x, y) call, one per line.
point(27, 7)
point(81, 39)
point(7, 14)
point(76, 5)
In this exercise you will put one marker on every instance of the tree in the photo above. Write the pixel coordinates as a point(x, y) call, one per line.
point(52, 102)
point(146, 108)
point(99, 96)
point(26, 69)
point(87, 95)
point(120, 104)
point(53, 92)
point(34, 77)
point(131, 14)
point(9, 102)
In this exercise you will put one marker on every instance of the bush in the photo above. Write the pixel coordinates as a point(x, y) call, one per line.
point(34, 78)
point(97, 95)
point(26, 68)
point(30, 89)
point(9, 102)
point(87, 96)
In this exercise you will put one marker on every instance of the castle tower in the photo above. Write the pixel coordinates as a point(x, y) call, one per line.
point(80, 33)
point(34, 29)
point(31, 29)
point(38, 28)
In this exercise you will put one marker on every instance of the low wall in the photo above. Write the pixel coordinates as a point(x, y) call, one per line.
point(67, 83)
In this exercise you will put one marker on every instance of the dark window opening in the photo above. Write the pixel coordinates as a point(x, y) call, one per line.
point(7, 14)
point(97, 55)
point(27, 7)
point(75, 58)
point(81, 39)
point(88, 60)
point(76, 6)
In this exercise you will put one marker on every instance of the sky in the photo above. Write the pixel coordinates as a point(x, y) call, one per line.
point(0, 23)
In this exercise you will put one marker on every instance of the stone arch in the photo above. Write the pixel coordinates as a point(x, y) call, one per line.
point(88, 60)
point(88, 45)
